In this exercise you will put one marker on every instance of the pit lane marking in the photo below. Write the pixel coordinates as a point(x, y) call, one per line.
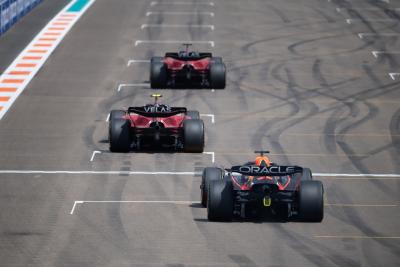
point(359, 205)
point(212, 156)
point(377, 53)
point(350, 21)
point(144, 26)
point(94, 155)
point(150, 13)
point(350, 176)
point(356, 237)
point(175, 202)
point(362, 34)
point(122, 85)
point(393, 75)
point(132, 61)
point(212, 116)
point(138, 42)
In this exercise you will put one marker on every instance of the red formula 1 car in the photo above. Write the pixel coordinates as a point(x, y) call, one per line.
point(187, 69)
point(156, 126)
point(246, 190)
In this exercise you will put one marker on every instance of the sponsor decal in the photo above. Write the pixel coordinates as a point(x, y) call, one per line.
point(266, 171)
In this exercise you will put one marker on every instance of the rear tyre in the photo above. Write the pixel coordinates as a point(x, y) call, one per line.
point(117, 114)
point(193, 136)
point(311, 201)
point(217, 60)
point(217, 75)
point(306, 175)
point(209, 174)
point(119, 135)
point(220, 201)
point(193, 114)
point(158, 73)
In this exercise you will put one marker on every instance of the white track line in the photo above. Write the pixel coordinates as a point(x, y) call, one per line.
point(212, 116)
point(189, 173)
point(360, 205)
point(132, 85)
point(349, 21)
point(175, 202)
point(377, 53)
point(212, 155)
point(393, 75)
point(150, 13)
point(94, 154)
point(132, 61)
point(154, 3)
point(356, 237)
point(371, 175)
point(144, 26)
point(138, 42)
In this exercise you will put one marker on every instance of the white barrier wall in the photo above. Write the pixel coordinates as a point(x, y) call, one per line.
point(12, 10)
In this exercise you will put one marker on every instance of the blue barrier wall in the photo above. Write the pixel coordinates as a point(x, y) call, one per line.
point(12, 10)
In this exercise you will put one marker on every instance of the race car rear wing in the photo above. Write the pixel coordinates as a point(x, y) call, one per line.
point(253, 170)
point(161, 113)
point(176, 56)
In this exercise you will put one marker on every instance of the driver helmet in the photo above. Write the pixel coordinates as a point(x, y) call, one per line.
point(262, 161)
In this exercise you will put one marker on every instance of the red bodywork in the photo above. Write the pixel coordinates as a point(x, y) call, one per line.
point(139, 121)
point(177, 64)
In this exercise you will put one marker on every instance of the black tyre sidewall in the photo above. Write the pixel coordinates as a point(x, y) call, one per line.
point(311, 201)
point(193, 136)
point(217, 75)
point(119, 135)
point(158, 73)
point(209, 174)
point(220, 200)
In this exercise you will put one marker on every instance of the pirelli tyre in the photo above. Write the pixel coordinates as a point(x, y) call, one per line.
point(311, 201)
point(158, 73)
point(217, 75)
point(209, 174)
point(220, 200)
point(193, 136)
point(306, 175)
point(193, 114)
point(117, 114)
point(119, 135)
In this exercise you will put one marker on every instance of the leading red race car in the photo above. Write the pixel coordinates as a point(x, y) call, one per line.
point(248, 189)
point(156, 126)
point(187, 69)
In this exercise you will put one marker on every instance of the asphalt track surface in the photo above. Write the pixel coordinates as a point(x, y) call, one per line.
point(301, 83)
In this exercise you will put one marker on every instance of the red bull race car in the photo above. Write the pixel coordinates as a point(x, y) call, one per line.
point(288, 192)
point(187, 69)
point(156, 126)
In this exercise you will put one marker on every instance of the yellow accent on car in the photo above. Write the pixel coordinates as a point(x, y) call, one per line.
point(156, 95)
point(267, 201)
